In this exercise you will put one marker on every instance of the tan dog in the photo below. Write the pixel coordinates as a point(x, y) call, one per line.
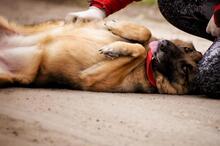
point(97, 56)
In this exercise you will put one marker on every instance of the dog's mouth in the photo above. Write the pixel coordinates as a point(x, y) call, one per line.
point(153, 59)
point(154, 47)
point(160, 50)
point(151, 56)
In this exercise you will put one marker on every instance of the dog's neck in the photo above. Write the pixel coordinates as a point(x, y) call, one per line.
point(138, 80)
point(144, 76)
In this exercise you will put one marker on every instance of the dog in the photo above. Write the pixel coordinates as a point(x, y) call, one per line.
point(104, 56)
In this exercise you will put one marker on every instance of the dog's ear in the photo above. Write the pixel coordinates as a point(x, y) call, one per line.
point(189, 49)
point(177, 42)
point(183, 44)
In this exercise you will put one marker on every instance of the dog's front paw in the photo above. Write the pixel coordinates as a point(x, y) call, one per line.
point(112, 24)
point(109, 52)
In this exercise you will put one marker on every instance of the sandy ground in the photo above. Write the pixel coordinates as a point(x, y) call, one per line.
point(74, 118)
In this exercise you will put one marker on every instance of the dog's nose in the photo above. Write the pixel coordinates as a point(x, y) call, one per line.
point(163, 45)
point(197, 56)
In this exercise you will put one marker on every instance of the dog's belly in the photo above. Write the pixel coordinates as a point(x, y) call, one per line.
point(67, 55)
point(58, 55)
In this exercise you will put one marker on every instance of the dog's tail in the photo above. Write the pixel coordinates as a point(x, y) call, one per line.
point(13, 28)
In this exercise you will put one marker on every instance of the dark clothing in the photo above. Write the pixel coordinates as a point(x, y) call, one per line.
point(217, 14)
point(207, 80)
point(191, 16)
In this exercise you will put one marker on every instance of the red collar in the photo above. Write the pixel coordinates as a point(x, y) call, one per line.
point(149, 70)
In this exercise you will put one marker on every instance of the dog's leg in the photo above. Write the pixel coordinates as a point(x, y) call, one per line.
point(13, 35)
point(13, 40)
point(19, 65)
point(28, 29)
point(119, 48)
point(121, 59)
point(129, 31)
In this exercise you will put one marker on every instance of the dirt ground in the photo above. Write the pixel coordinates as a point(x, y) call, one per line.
point(58, 117)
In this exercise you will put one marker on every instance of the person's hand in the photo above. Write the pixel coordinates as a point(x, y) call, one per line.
point(212, 28)
point(91, 14)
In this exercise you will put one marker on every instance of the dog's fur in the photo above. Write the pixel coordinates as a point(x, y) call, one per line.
point(96, 56)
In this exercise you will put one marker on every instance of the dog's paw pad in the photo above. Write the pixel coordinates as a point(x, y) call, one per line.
point(109, 52)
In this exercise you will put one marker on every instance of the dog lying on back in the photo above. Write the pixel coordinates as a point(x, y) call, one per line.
point(96, 56)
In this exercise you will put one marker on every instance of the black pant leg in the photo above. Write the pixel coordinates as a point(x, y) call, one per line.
point(207, 80)
point(191, 16)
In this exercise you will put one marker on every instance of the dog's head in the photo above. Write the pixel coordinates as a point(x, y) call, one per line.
point(174, 65)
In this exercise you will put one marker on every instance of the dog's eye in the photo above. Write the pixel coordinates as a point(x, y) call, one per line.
point(187, 49)
point(163, 48)
point(186, 68)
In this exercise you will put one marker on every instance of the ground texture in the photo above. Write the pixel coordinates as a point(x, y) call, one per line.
point(58, 117)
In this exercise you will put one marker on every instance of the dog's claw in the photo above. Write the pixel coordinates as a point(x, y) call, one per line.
point(109, 53)
point(110, 24)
